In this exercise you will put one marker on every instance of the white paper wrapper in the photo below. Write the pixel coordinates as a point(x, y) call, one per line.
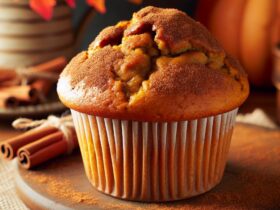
point(150, 161)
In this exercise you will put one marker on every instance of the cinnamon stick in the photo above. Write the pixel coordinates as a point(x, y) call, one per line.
point(9, 148)
point(42, 88)
point(13, 82)
point(55, 65)
point(8, 101)
point(42, 150)
point(42, 143)
point(22, 94)
point(7, 75)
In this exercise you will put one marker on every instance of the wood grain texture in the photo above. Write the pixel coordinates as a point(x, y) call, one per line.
point(251, 180)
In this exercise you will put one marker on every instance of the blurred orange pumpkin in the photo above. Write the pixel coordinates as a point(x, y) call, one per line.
point(247, 29)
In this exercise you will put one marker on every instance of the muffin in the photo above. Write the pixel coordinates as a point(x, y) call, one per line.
point(154, 101)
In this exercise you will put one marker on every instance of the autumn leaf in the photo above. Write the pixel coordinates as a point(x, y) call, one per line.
point(99, 5)
point(71, 3)
point(136, 1)
point(43, 7)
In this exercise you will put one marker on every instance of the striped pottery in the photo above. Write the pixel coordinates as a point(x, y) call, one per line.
point(27, 39)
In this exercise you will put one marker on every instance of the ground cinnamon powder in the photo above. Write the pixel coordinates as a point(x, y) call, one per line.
point(251, 180)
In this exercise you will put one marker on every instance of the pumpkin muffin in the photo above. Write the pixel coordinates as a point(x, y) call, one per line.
point(154, 101)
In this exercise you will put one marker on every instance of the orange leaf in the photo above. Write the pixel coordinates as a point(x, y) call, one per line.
point(71, 3)
point(136, 1)
point(43, 7)
point(99, 5)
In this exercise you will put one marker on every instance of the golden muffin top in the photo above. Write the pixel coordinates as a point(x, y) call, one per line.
point(159, 66)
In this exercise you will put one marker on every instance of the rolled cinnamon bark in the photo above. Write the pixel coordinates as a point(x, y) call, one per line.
point(7, 74)
point(8, 101)
point(9, 148)
point(42, 88)
point(54, 66)
point(24, 94)
point(13, 82)
point(44, 149)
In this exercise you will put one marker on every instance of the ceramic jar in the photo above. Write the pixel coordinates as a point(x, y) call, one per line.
point(27, 39)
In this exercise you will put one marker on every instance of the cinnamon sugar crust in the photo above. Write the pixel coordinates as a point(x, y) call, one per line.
point(159, 66)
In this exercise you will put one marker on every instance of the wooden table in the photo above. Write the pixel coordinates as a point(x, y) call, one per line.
point(251, 180)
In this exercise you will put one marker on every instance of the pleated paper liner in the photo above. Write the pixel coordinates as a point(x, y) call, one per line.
point(154, 161)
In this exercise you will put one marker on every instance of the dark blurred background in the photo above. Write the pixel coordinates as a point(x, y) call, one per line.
point(122, 10)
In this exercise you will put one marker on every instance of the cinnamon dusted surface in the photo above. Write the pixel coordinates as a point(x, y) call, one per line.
point(159, 66)
point(8, 196)
point(251, 180)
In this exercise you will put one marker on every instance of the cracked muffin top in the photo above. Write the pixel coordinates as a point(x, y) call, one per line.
point(159, 66)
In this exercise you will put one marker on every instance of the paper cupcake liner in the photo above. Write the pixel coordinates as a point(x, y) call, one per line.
point(154, 161)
